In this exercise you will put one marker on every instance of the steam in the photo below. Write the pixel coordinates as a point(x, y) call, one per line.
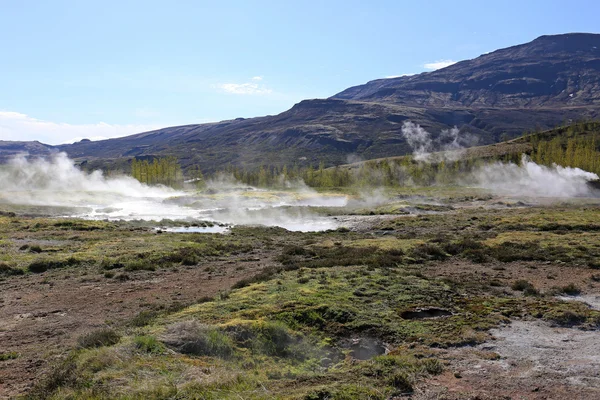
point(447, 146)
point(54, 177)
point(532, 180)
point(57, 182)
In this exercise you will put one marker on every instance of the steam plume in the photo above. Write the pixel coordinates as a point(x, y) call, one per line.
point(532, 180)
point(58, 182)
point(447, 146)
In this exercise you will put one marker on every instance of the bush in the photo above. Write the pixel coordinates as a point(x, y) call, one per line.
point(8, 356)
point(191, 337)
point(99, 338)
point(571, 289)
point(565, 317)
point(62, 374)
point(7, 270)
point(521, 285)
point(108, 265)
point(462, 246)
point(44, 265)
point(401, 382)
point(143, 318)
point(429, 251)
point(35, 249)
point(140, 265)
point(148, 344)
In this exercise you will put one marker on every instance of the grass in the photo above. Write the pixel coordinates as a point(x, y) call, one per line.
point(9, 356)
point(288, 331)
point(99, 338)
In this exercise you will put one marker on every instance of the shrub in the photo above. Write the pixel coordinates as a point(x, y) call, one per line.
point(143, 318)
point(8, 356)
point(191, 337)
point(148, 344)
point(571, 289)
point(429, 251)
point(565, 317)
point(62, 374)
point(7, 270)
point(401, 382)
point(521, 285)
point(140, 265)
point(463, 246)
point(99, 338)
point(108, 265)
point(35, 249)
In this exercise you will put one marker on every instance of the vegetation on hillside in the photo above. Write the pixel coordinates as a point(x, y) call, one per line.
point(160, 171)
point(576, 145)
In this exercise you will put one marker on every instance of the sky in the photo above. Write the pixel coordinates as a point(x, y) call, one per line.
point(97, 69)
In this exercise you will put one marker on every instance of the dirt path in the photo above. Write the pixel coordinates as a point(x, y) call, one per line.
point(43, 315)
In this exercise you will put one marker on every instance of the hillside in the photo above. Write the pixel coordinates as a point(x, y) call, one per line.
point(550, 72)
point(510, 149)
point(537, 85)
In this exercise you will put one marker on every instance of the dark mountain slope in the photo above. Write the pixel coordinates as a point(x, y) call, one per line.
point(540, 84)
point(9, 149)
point(551, 71)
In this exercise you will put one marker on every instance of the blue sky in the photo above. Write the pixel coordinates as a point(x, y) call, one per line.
point(74, 69)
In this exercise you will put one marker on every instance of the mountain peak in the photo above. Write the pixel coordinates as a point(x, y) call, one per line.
point(550, 71)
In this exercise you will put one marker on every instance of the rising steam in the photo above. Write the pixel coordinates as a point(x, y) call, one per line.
point(532, 180)
point(58, 182)
point(527, 179)
point(447, 146)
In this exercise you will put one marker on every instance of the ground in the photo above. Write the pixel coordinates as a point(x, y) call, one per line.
point(436, 294)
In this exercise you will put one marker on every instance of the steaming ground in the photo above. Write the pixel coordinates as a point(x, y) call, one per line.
point(59, 185)
point(527, 179)
point(532, 180)
point(57, 182)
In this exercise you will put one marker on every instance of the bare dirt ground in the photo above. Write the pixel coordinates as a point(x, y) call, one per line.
point(51, 310)
point(526, 360)
point(529, 359)
point(543, 276)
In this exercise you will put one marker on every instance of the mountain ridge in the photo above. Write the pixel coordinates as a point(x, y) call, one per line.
point(536, 85)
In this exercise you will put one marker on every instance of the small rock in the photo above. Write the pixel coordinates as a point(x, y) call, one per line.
point(457, 375)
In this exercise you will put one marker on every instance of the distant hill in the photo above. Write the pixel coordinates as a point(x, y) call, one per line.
point(537, 85)
point(9, 149)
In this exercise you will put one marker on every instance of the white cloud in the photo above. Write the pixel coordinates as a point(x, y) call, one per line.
point(398, 76)
point(252, 88)
point(439, 64)
point(21, 127)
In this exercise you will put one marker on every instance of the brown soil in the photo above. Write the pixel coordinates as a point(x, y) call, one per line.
point(526, 360)
point(543, 276)
point(43, 315)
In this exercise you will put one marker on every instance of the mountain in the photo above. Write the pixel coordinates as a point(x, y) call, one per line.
point(550, 72)
point(537, 85)
point(9, 149)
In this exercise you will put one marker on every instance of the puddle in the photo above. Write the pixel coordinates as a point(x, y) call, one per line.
point(426, 313)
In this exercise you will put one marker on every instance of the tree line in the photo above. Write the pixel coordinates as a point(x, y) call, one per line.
point(160, 171)
point(576, 145)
